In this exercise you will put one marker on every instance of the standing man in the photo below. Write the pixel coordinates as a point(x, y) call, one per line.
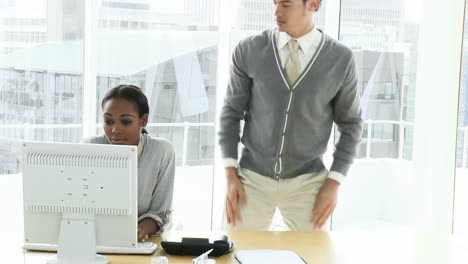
point(288, 85)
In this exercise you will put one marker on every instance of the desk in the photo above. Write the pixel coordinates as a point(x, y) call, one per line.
point(318, 248)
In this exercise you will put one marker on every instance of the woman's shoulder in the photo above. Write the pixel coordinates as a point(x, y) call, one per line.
point(101, 139)
point(157, 143)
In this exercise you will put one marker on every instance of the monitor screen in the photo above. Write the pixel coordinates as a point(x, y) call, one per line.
point(72, 192)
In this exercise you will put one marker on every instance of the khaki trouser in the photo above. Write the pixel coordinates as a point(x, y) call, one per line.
point(294, 198)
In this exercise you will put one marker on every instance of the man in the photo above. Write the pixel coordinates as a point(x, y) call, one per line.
point(288, 85)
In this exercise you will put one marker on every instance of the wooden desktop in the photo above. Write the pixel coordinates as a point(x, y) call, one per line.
point(315, 247)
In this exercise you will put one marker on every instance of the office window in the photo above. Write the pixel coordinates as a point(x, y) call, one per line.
point(172, 57)
point(171, 50)
point(402, 176)
point(461, 180)
point(41, 87)
point(36, 88)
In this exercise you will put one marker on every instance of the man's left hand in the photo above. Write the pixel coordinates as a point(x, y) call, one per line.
point(324, 203)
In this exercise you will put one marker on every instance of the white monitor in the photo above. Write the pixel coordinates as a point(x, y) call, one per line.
point(80, 196)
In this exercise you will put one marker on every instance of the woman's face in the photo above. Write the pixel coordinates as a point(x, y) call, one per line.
point(122, 123)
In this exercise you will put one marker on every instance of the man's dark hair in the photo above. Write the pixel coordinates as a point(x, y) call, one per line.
point(131, 93)
point(320, 3)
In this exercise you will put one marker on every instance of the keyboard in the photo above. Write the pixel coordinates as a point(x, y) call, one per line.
point(143, 248)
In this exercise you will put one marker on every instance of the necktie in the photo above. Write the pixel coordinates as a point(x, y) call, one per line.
point(292, 63)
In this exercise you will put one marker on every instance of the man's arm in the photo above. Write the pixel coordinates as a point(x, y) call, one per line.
point(236, 103)
point(347, 116)
point(347, 111)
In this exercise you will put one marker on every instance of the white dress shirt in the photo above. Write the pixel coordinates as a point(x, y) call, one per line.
point(309, 44)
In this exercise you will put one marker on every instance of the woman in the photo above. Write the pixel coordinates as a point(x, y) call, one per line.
point(125, 111)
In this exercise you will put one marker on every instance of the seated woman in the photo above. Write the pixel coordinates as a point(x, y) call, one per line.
point(125, 111)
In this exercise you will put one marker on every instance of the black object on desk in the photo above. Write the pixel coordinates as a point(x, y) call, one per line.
point(181, 243)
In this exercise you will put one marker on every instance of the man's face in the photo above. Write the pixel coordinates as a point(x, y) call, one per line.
point(294, 16)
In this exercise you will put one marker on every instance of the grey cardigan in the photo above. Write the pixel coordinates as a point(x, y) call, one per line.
point(287, 127)
point(156, 169)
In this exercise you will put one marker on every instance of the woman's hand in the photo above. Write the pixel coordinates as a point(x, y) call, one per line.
point(146, 228)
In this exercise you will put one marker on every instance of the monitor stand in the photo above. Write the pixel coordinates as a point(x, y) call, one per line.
point(77, 241)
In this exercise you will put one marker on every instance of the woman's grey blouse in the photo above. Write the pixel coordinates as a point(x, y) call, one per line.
point(156, 170)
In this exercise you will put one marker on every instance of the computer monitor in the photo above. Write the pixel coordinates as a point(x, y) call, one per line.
point(80, 196)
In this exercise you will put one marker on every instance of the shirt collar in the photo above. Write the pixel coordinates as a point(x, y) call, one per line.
point(306, 42)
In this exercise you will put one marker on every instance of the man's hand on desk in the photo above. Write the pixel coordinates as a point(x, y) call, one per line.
point(146, 228)
point(324, 203)
point(235, 194)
